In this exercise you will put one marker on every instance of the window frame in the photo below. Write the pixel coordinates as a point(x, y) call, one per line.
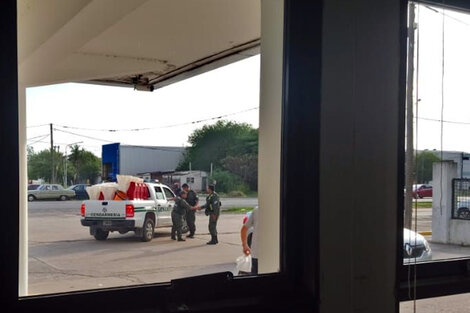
point(159, 192)
point(291, 288)
point(441, 277)
point(171, 193)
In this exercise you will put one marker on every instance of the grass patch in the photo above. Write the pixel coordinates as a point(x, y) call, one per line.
point(422, 205)
point(238, 210)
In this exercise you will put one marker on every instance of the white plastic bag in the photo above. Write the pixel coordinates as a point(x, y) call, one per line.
point(93, 192)
point(243, 264)
point(125, 180)
point(108, 190)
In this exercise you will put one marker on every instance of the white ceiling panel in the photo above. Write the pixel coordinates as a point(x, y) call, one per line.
point(132, 42)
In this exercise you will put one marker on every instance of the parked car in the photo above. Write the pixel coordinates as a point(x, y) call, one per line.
point(422, 191)
point(80, 191)
point(415, 246)
point(50, 191)
point(33, 186)
point(463, 207)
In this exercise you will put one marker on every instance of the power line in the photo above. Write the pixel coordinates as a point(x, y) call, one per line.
point(443, 121)
point(37, 125)
point(37, 136)
point(40, 140)
point(447, 15)
point(62, 143)
point(167, 149)
point(84, 136)
point(158, 127)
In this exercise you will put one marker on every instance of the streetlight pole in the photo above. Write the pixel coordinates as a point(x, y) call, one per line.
point(65, 165)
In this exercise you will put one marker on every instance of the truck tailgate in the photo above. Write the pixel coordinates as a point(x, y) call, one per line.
point(105, 209)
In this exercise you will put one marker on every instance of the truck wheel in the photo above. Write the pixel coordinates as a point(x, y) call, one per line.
point(101, 234)
point(148, 230)
point(31, 198)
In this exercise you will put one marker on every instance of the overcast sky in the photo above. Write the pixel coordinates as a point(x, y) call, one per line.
point(456, 82)
point(169, 112)
point(235, 88)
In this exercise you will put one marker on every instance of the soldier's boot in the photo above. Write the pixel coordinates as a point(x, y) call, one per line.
point(181, 239)
point(213, 240)
point(190, 236)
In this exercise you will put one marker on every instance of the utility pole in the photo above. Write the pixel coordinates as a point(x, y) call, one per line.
point(409, 155)
point(52, 155)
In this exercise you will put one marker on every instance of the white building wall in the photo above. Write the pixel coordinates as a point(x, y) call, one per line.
point(197, 185)
point(442, 175)
point(456, 156)
point(445, 229)
point(138, 159)
point(459, 232)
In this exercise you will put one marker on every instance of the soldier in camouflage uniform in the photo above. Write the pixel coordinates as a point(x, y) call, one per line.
point(212, 209)
point(192, 200)
point(179, 210)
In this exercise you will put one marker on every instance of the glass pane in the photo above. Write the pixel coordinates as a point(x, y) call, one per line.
point(119, 99)
point(437, 153)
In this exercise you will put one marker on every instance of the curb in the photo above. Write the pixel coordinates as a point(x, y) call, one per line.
point(425, 233)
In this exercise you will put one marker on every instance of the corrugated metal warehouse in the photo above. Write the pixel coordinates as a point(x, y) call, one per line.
point(134, 160)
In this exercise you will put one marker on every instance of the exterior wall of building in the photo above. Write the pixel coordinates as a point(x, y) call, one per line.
point(463, 170)
point(110, 161)
point(139, 159)
point(134, 160)
point(197, 180)
point(445, 229)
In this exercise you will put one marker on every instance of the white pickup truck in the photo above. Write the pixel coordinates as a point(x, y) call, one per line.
point(140, 216)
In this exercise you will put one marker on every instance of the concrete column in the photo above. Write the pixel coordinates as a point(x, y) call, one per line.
point(361, 110)
point(269, 166)
point(442, 175)
point(23, 180)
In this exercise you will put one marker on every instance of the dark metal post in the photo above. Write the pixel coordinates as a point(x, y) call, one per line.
point(52, 155)
point(409, 156)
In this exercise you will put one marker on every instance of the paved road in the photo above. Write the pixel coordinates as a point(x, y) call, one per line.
point(70, 206)
point(439, 251)
point(64, 257)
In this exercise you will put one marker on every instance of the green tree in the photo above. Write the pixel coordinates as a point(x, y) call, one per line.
point(245, 166)
point(231, 147)
point(86, 167)
point(39, 165)
point(83, 166)
point(423, 167)
point(227, 181)
point(213, 143)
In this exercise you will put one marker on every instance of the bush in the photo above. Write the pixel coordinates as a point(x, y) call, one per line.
point(227, 182)
point(236, 194)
